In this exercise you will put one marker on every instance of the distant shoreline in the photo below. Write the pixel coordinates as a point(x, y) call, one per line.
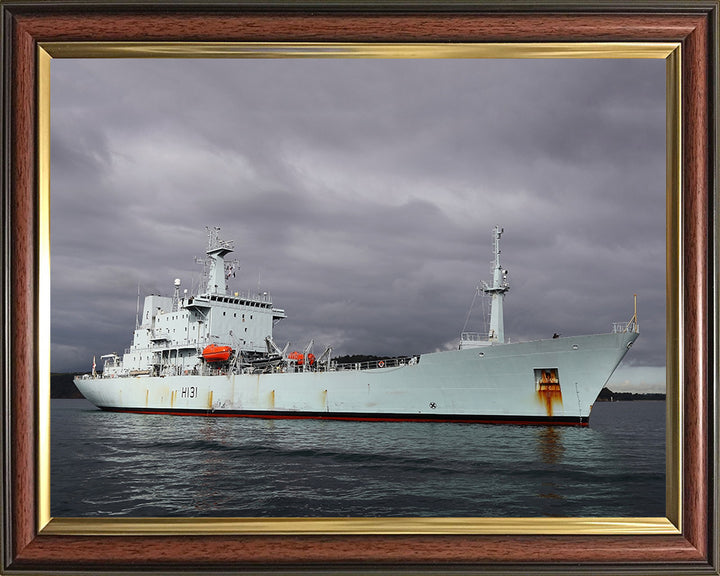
point(607, 395)
point(62, 386)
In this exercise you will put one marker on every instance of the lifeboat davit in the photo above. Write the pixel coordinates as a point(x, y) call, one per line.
point(215, 353)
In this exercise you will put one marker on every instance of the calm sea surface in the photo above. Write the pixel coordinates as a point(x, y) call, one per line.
point(106, 464)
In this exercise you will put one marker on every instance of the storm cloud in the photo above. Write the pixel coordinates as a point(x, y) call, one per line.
point(361, 194)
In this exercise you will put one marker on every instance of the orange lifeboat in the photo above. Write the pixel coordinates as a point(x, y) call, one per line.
point(299, 357)
point(215, 353)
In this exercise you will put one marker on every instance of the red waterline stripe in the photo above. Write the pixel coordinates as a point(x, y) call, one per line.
point(461, 420)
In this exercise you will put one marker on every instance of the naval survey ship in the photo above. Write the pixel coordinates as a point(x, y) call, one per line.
point(213, 354)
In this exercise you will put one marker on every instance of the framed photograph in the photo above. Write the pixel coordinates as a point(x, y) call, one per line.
point(294, 36)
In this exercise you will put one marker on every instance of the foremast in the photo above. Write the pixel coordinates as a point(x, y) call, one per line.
point(497, 291)
point(496, 331)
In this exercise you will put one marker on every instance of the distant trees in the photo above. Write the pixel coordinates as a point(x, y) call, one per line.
point(607, 395)
point(62, 386)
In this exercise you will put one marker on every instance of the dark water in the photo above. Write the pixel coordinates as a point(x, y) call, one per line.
point(106, 464)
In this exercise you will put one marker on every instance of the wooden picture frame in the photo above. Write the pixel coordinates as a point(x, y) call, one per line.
point(687, 542)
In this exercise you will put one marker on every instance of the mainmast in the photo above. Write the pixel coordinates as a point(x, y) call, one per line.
point(217, 250)
point(497, 291)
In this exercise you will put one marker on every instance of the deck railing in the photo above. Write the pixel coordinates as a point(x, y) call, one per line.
point(625, 327)
point(473, 336)
point(371, 364)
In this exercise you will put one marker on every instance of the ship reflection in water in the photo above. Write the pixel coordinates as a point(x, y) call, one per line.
point(550, 450)
point(549, 445)
point(114, 464)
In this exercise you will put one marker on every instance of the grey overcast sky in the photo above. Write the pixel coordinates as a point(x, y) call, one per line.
point(361, 194)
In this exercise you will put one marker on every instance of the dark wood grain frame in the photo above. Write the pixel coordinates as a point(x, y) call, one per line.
point(26, 548)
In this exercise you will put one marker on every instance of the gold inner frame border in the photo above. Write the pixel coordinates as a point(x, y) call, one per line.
point(671, 524)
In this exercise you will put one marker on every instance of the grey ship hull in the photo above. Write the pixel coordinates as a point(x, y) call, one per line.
point(554, 381)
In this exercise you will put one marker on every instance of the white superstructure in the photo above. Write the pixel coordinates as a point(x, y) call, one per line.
point(213, 354)
point(172, 332)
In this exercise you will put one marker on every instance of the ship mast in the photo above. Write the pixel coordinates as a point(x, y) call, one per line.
point(497, 291)
point(217, 250)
